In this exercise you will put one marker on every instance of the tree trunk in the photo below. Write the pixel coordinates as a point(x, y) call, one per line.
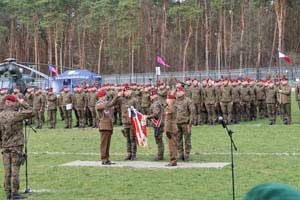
point(242, 24)
point(99, 55)
point(273, 44)
point(49, 45)
point(70, 44)
point(190, 32)
point(56, 45)
point(279, 6)
point(36, 47)
point(219, 44)
point(196, 62)
point(231, 33)
point(225, 35)
point(83, 45)
point(206, 36)
point(11, 49)
point(261, 7)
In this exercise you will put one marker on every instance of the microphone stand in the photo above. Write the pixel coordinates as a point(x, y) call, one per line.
point(27, 124)
point(233, 147)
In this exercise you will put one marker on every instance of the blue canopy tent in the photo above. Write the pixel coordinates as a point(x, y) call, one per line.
point(72, 78)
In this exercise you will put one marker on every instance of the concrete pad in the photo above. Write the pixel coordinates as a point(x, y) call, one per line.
point(146, 164)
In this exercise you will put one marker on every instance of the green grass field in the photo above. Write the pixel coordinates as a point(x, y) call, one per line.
point(265, 154)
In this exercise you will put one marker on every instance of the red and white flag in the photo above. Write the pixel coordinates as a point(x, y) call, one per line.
point(139, 125)
point(160, 61)
point(285, 57)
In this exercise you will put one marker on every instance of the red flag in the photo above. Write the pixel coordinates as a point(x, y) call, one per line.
point(285, 57)
point(139, 125)
point(161, 61)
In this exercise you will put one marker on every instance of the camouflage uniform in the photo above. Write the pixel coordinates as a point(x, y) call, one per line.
point(185, 114)
point(261, 99)
point(162, 96)
point(60, 106)
point(218, 109)
point(236, 99)
point(145, 102)
point(11, 143)
point(210, 101)
point(156, 114)
point(67, 99)
point(80, 106)
point(297, 94)
point(226, 103)
point(127, 102)
point(285, 100)
point(38, 107)
point(197, 101)
point(91, 102)
point(52, 108)
point(245, 102)
point(253, 102)
point(271, 99)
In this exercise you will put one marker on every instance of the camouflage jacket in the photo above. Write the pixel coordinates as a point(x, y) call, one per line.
point(11, 126)
point(185, 110)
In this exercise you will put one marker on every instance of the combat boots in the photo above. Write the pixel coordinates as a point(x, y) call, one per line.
point(133, 157)
point(128, 157)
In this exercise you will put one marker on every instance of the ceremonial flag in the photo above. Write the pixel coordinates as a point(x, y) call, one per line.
point(285, 57)
point(52, 69)
point(139, 125)
point(161, 61)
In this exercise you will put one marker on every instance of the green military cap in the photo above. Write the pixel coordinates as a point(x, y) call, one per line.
point(272, 191)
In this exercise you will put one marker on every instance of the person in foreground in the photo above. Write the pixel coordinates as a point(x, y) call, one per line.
point(12, 141)
point(272, 191)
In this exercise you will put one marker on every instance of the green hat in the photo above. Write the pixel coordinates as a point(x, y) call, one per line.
point(272, 191)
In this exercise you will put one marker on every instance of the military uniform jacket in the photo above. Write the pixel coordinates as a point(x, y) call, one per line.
point(79, 100)
point(260, 93)
point(271, 95)
point(210, 95)
point(146, 99)
point(92, 99)
point(196, 94)
point(170, 119)
point(162, 95)
point(105, 113)
point(285, 94)
point(29, 98)
point(156, 111)
point(11, 126)
point(126, 103)
point(66, 98)
point(252, 93)
point(226, 94)
point(52, 102)
point(245, 94)
point(188, 91)
point(236, 94)
point(185, 110)
point(38, 102)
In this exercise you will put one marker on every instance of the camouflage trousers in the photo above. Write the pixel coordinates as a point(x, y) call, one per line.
point(68, 118)
point(245, 111)
point(210, 113)
point(61, 112)
point(131, 142)
point(87, 117)
point(227, 111)
point(183, 133)
point(38, 118)
point(261, 108)
point(236, 110)
point(172, 142)
point(11, 162)
point(117, 116)
point(253, 110)
point(197, 116)
point(160, 144)
point(203, 114)
point(272, 112)
point(94, 116)
point(52, 118)
point(218, 110)
point(286, 113)
point(81, 117)
point(105, 144)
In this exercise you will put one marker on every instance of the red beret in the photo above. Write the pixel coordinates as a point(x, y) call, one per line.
point(101, 93)
point(36, 89)
point(17, 88)
point(50, 90)
point(171, 96)
point(66, 86)
point(10, 97)
point(153, 92)
point(180, 89)
point(284, 79)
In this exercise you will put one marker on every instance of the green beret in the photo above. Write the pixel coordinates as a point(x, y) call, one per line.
point(272, 191)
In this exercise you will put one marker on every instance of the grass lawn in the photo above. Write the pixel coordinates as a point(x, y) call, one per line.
point(265, 154)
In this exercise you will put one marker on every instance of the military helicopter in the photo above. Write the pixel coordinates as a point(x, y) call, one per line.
point(11, 75)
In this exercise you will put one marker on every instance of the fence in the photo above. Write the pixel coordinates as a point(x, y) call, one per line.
point(292, 73)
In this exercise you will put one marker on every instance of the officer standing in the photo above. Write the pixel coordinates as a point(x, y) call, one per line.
point(210, 101)
point(245, 101)
point(80, 106)
point(271, 99)
point(38, 106)
point(91, 101)
point(12, 142)
point(226, 101)
point(156, 117)
point(285, 100)
point(185, 114)
point(105, 112)
point(145, 100)
point(67, 101)
point(52, 107)
point(171, 128)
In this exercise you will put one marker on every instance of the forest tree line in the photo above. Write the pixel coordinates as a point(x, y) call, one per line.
point(118, 36)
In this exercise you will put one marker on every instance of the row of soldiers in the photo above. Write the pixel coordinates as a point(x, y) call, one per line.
point(235, 100)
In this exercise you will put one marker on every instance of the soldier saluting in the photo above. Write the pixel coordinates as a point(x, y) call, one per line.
point(12, 142)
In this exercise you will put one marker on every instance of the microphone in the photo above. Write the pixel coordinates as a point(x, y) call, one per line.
point(221, 121)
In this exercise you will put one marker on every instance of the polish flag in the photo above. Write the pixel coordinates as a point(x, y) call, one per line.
point(285, 57)
point(161, 61)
